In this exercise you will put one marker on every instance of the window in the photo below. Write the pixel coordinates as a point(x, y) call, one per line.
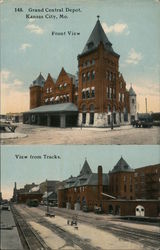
point(88, 76)
point(125, 188)
point(88, 94)
point(47, 91)
point(109, 108)
point(107, 75)
point(93, 61)
point(109, 119)
point(92, 92)
point(84, 118)
point(91, 121)
point(93, 75)
point(83, 94)
point(68, 98)
point(132, 101)
point(131, 188)
point(50, 89)
point(83, 77)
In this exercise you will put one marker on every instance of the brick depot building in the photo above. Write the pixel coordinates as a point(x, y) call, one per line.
point(123, 191)
point(96, 97)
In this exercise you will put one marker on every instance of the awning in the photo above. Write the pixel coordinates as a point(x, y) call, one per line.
point(92, 88)
point(65, 84)
point(62, 107)
point(52, 98)
point(57, 98)
point(46, 100)
point(87, 89)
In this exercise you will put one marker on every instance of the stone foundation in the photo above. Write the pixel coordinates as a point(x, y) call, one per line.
point(103, 120)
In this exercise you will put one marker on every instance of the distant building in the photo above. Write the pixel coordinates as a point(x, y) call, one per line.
point(83, 190)
point(97, 97)
point(123, 191)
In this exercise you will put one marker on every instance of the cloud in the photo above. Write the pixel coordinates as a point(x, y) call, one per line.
point(1, 1)
point(133, 57)
point(24, 46)
point(14, 97)
point(116, 28)
point(4, 75)
point(31, 20)
point(33, 28)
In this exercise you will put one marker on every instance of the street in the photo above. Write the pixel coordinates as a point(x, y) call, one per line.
point(124, 135)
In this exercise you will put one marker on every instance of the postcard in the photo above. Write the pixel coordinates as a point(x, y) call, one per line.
point(80, 124)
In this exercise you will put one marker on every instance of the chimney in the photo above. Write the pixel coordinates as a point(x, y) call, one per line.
point(100, 182)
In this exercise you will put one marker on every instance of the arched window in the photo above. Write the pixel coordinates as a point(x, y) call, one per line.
point(91, 108)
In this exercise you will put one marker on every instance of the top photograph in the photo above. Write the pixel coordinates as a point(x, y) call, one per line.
point(80, 72)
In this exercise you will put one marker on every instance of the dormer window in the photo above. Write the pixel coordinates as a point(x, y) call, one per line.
point(90, 45)
point(47, 90)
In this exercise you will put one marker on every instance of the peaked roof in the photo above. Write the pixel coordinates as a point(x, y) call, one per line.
point(39, 80)
point(122, 166)
point(132, 92)
point(85, 169)
point(49, 78)
point(98, 35)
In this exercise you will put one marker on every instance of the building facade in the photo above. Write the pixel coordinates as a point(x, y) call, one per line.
point(120, 192)
point(96, 97)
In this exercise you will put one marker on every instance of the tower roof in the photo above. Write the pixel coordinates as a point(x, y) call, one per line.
point(122, 166)
point(132, 92)
point(39, 80)
point(85, 169)
point(98, 35)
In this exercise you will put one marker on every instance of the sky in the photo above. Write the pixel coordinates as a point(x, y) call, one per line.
point(28, 46)
point(25, 171)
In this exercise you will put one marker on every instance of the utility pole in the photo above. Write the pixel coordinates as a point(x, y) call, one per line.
point(146, 104)
point(47, 196)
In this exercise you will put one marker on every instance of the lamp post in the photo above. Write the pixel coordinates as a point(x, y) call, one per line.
point(112, 108)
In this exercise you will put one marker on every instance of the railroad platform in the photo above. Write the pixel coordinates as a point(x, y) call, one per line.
point(8, 234)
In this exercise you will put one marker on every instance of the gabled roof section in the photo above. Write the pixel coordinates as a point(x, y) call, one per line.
point(39, 81)
point(122, 166)
point(132, 92)
point(85, 169)
point(64, 73)
point(49, 79)
point(98, 35)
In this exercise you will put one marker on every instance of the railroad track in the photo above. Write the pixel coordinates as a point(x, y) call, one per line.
point(30, 239)
point(70, 239)
point(148, 239)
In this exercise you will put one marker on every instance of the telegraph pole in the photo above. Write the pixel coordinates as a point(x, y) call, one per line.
point(146, 104)
point(47, 196)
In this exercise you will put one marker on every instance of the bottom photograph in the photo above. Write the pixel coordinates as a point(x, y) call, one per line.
point(80, 197)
